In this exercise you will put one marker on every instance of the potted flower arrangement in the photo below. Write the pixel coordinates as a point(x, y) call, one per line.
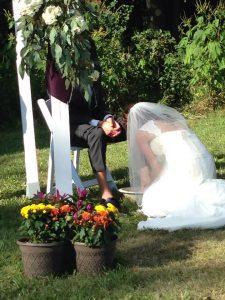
point(58, 29)
point(95, 228)
point(46, 229)
point(51, 221)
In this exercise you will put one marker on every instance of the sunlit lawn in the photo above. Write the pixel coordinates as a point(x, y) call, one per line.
point(187, 264)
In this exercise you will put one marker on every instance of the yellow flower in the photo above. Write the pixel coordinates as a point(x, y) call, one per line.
point(111, 208)
point(49, 206)
point(35, 208)
point(100, 208)
point(24, 211)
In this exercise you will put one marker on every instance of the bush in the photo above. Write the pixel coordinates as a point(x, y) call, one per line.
point(131, 70)
point(151, 48)
point(175, 82)
point(113, 55)
point(203, 47)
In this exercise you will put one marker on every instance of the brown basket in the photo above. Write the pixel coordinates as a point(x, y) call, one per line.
point(42, 259)
point(94, 259)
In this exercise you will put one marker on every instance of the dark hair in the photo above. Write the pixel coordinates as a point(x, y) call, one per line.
point(124, 118)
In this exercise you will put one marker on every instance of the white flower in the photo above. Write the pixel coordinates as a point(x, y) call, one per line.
point(29, 7)
point(78, 24)
point(94, 76)
point(51, 13)
point(81, 24)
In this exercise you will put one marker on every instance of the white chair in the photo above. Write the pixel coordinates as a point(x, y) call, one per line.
point(45, 107)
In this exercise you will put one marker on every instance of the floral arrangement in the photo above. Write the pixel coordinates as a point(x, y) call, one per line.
point(59, 29)
point(55, 217)
point(48, 218)
point(94, 225)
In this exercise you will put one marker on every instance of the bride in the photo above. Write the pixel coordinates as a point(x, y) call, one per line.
point(174, 170)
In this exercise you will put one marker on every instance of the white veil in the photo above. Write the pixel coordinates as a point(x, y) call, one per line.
point(158, 118)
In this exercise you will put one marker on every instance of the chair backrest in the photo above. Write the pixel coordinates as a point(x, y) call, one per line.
point(45, 107)
point(56, 115)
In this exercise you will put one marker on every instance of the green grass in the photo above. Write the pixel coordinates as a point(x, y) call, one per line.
point(186, 264)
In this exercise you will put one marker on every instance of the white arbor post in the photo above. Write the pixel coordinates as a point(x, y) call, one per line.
point(61, 131)
point(32, 182)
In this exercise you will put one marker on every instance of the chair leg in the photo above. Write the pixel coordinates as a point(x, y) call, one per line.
point(76, 159)
point(50, 178)
point(75, 169)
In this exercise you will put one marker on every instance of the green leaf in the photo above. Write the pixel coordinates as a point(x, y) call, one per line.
point(21, 70)
point(36, 56)
point(52, 35)
point(67, 83)
point(82, 233)
point(24, 51)
point(214, 49)
point(199, 36)
point(65, 28)
point(58, 52)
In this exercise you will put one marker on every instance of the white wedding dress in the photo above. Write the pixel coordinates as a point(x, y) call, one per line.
point(186, 194)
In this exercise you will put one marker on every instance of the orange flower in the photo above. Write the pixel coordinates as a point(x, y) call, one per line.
point(86, 216)
point(65, 209)
point(102, 219)
point(54, 211)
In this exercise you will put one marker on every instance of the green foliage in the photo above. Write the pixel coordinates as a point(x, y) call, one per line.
point(203, 46)
point(149, 53)
point(175, 81)
point(113, 56)
point(131, 70)
point(59, 31)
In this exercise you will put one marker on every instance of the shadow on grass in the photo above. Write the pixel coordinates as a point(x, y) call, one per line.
point(121, 174)
point(157, 248)
point(11, 141)
point(10, 217)
point(12, 194)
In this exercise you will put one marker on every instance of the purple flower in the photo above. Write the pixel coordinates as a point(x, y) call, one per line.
point(75, 216)
point(79, 203)
point(40, 195)
point(56, 197)
point(89, 207)
point(82, 193)
point(64, 196)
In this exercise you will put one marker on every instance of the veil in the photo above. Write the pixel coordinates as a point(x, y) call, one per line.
point(152, 118)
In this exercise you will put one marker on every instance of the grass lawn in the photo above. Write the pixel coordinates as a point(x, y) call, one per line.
point(186, 264)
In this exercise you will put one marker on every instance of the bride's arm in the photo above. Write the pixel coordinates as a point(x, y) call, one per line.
point(143, 139)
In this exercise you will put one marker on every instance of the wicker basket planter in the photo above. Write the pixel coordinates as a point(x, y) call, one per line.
point(94, 259)
point(43, 259)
